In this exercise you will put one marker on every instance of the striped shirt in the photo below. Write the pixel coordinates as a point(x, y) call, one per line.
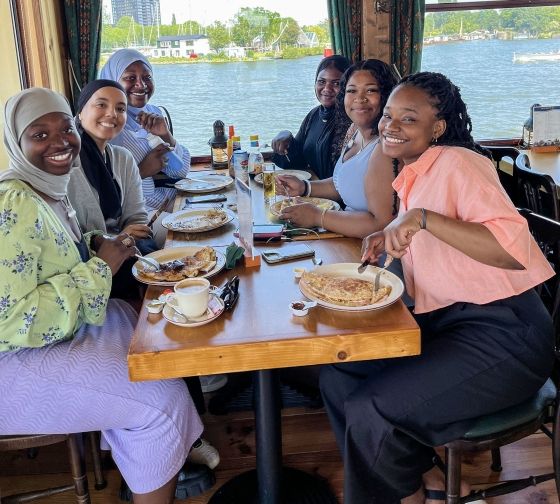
point(154, 196)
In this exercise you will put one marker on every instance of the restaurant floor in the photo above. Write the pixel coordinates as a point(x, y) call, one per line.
point(308, 445)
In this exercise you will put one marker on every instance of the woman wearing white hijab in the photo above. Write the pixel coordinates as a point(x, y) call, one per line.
point(61, 370)
point(133, 71)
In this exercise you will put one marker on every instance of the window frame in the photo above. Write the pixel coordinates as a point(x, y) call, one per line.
point(489, 4)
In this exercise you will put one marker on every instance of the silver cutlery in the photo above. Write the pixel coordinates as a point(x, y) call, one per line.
point(362, 267)
point(317, 261)
point(150, 261)
point(388, 260)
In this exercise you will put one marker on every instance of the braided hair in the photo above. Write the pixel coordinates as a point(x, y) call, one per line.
point(446, 98)
point(384, 76)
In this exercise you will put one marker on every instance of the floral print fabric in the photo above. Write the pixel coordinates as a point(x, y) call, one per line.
point(46, 291)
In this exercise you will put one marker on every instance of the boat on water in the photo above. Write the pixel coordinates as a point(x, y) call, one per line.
point(531, 57)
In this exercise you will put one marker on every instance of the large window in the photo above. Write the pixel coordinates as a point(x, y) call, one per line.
point(503, 59)
point(254, 67)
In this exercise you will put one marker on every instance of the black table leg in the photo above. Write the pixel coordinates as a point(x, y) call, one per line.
point(270, 483)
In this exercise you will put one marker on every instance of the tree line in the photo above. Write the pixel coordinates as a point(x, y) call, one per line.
point(250, 28)
point(541, 22)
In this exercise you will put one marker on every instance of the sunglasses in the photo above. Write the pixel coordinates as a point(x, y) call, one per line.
point(229, 292)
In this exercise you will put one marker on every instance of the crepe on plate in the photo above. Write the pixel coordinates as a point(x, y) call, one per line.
point(209, 219)
point(344, 291)
point(187, 267)
point(323, 204)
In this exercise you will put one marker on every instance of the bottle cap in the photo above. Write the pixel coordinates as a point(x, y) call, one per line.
point(236, 138)
point(254, 137)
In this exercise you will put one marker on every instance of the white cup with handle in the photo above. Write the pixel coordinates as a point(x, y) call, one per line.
point(192, 295)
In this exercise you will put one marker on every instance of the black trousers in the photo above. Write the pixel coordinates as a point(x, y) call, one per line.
point(388, 414)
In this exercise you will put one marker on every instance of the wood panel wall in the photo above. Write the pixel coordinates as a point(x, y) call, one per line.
point(376, 30)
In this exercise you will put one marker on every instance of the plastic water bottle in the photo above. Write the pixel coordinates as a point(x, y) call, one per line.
point(256, 161)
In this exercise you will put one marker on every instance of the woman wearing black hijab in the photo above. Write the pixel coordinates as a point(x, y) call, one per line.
point(106, 189)
point(318, 143)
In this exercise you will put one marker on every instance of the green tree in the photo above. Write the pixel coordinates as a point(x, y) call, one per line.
point(250, 23)
point(290, 32)
point(218, 36)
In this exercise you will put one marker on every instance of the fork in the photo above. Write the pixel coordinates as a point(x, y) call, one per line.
point(388, 260)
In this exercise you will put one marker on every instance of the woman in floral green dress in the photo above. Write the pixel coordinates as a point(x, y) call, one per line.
point(63, 342)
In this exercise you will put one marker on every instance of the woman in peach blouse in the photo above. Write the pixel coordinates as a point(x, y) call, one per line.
point(471, 264)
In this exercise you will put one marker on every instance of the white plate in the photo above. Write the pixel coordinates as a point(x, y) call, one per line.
point(171, 220)
point(300, 174)
point(350, 270)
point(275, 208)
point(204, 183)
point(172, 316)
point(176, 253)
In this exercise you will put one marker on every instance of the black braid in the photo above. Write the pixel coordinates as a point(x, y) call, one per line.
point(395, 196)
point(446, 98)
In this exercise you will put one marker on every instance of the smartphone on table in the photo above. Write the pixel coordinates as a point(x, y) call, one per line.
point(288, 253)
point(267, 232)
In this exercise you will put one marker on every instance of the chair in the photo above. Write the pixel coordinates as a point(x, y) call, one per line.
point(77, 464)
point(512, 424)
point(535, 191)
point(506, 179)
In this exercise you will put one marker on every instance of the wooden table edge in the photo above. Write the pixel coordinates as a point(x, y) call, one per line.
point(288, 353)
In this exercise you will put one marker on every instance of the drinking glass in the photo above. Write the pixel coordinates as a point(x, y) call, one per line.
point(269, 184)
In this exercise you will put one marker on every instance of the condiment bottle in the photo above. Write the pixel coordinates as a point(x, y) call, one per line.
point(218, 147)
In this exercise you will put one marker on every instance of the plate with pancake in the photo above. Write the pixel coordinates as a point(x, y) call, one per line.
point(322, 203)
point(197, 220)
point(179, 263)
point(300, 174)
point(340, 287)
point(203, 183)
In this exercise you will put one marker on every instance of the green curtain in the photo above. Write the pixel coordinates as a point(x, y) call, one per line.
point(407, 32)
point(345, 23)
point(83, 34)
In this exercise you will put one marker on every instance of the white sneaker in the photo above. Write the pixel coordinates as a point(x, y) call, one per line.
point(211, 383)
point(204, 454)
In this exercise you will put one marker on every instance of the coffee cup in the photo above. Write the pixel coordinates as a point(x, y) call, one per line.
point(192, 296)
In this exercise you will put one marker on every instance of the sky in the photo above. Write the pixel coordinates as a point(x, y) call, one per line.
point(305, 12)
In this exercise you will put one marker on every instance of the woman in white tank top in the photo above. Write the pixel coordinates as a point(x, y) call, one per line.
point(363, 174)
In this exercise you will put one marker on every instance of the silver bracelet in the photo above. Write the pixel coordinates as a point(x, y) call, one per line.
point(307, 191)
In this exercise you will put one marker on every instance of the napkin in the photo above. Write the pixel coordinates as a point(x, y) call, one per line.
point(233, 254)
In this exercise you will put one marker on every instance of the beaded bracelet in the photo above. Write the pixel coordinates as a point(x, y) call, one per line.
point(423, 222)
point(323, 217)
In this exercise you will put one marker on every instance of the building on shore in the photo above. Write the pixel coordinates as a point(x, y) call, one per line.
point(181, 46)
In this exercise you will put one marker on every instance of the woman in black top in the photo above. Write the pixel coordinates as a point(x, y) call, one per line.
point(318, 142)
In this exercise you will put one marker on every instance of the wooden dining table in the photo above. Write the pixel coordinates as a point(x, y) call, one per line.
point(261, 335)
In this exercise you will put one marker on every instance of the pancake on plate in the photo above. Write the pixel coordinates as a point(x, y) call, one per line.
point(187, 267)
point(210, 219)
point(322, 203)
point(343, 291)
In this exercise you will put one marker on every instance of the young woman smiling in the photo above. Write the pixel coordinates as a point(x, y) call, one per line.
point(470, 263)
point(363, 173)
point(318, 142)
point(64, 342)
point(107, 190)
point(134, 72)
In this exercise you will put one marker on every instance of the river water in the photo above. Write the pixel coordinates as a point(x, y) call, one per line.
point(267, 96)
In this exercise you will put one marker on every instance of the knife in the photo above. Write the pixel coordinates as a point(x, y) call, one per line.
point(207, 199)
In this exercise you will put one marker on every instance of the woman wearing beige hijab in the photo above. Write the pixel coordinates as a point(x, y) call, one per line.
point(61, 370)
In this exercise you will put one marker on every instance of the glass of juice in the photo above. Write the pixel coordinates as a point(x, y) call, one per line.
point(269, 182)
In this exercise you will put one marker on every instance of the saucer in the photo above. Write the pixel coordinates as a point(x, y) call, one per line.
point(215, 309)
